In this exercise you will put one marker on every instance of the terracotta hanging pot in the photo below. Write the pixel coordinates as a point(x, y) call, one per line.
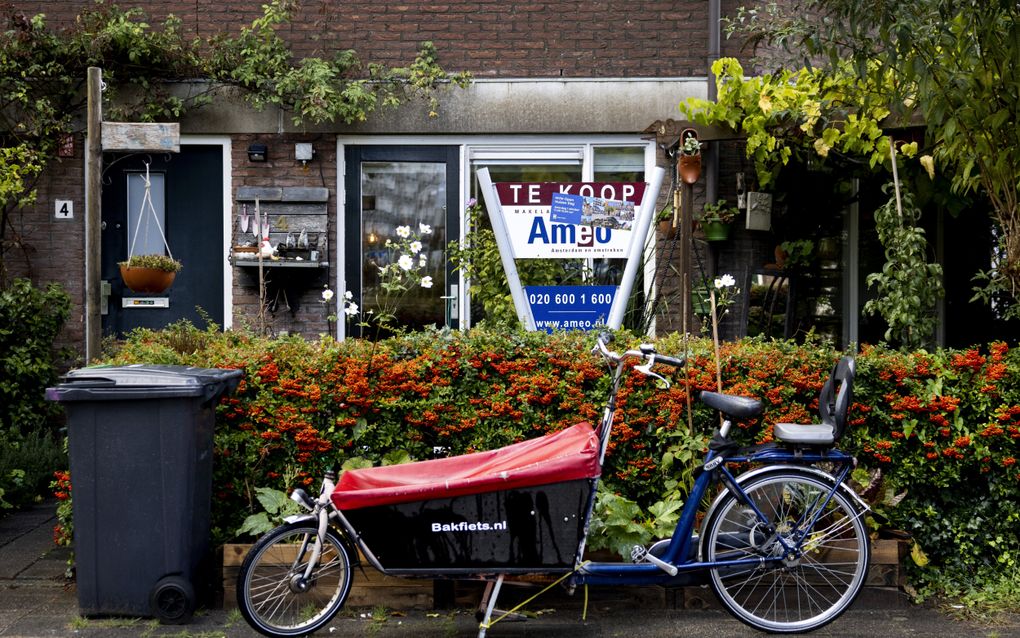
point(667, 230)
point(148, 280)
point(689, 168)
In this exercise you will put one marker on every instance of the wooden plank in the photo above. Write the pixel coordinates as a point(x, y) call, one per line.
point(142, 136)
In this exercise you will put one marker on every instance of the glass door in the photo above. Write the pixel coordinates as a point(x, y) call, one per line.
point(402, 210)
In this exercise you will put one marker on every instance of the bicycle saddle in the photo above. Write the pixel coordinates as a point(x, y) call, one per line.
point(732, 405)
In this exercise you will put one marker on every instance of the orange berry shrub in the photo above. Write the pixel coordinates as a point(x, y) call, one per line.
point(940, 429)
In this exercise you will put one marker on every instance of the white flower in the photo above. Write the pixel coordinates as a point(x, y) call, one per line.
point(725, 281)
point(422, 260)
point(415, 247)
point(327, 294)
point(403, 232)
point(424, 229)
point(351, 309)
point(348, 295)
point(405, 262)
point(426, 282)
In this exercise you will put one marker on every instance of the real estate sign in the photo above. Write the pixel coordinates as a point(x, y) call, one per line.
point(576, 220)
point(569, 220)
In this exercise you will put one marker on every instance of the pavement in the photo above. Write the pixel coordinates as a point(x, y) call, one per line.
point(38, 600)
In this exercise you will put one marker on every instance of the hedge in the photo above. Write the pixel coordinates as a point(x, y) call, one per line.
point(935, 434)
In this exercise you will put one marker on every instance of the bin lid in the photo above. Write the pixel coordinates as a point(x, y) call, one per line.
point(143, 381)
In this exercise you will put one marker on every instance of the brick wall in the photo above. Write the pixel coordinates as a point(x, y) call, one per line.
point(490, 38)
point(302, 311)
point(53, 250)
point(566, 38)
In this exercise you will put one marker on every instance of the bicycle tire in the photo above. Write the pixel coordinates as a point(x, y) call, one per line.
point(812, 586)
point(271, 592)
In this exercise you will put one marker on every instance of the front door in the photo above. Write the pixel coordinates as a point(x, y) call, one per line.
point(402, 210)
point(186, 194)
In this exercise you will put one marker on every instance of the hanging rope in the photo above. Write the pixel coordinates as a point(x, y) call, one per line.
point(147, 207)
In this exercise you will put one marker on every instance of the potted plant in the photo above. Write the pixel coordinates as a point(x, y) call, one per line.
point(149, 273)
point(666, 222)
point(715, 220)
point(689, 165)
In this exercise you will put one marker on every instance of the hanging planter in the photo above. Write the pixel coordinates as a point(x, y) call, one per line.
point(715, 220)
point(149, 273)
point(152, 273)
point(689, 165)
point(716, 231)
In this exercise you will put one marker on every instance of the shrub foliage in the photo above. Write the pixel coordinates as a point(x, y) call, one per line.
point(938, 430)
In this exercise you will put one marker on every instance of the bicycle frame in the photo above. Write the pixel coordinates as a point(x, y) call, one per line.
point(673, 564)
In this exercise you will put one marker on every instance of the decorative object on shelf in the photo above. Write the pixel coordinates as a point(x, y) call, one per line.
point(149, 273)
point(759, 210)
point(689, 165)
point(152, 273)
point(715, 220)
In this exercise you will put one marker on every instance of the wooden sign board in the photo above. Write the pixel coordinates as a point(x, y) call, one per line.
point(137, 136)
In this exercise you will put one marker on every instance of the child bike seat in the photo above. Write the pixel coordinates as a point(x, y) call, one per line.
point(832, 408)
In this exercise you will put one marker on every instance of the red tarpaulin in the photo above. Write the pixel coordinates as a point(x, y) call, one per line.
point(563, 456)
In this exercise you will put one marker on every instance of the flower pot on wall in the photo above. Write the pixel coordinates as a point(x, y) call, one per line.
point(148, 280)
point(689, 168)
point(716, 231)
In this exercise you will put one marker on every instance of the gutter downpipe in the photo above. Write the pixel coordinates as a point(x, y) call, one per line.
point(714, 40)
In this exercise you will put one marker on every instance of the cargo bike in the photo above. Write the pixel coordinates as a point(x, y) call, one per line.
point(783, 545)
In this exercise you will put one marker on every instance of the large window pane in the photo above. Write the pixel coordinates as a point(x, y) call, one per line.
point(395, 195)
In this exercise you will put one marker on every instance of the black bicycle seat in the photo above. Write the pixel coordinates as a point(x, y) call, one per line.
point(732, 405)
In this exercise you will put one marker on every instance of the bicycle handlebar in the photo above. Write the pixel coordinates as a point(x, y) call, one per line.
point(645, 351)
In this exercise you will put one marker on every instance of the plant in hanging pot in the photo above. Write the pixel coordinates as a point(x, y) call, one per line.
point(715, 220)
point(689, 165)
point(665, 220)
point(149, 273)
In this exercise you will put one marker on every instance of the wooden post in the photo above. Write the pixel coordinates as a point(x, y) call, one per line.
point(93, 215)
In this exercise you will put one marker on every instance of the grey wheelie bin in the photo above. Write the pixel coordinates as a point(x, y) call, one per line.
point(141, 448)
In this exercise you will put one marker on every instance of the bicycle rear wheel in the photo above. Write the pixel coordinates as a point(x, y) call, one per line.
point(272, 592)
point(815, 580)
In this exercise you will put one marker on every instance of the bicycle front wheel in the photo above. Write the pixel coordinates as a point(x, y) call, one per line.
point(811, 552)
point(273, 593)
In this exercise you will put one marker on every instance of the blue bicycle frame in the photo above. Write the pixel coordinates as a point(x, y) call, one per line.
point(680, 558)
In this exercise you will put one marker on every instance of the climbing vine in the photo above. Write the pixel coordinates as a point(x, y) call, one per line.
point(805, 113)
point(908, 287)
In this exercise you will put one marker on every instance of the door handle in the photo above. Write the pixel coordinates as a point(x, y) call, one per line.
point(104, 297)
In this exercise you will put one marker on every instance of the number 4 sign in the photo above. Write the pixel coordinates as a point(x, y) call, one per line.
point(63, 209)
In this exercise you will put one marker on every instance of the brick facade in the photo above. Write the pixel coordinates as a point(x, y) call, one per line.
point(562, 38)
point(492, 40)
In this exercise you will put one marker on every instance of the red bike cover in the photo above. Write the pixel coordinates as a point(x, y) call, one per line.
point(566, 455)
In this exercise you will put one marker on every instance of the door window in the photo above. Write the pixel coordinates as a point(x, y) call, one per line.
point(146, 228)
point(403, 232)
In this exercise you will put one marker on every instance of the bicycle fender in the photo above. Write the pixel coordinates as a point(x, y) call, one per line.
point(300, 518)
point(768, 469)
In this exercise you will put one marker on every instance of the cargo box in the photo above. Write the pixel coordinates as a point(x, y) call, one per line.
point(518, 509)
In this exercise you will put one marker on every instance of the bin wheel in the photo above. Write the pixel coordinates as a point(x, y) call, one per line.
point(173, 600)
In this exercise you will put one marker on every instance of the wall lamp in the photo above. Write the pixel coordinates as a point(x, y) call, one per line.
point(257, 153)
